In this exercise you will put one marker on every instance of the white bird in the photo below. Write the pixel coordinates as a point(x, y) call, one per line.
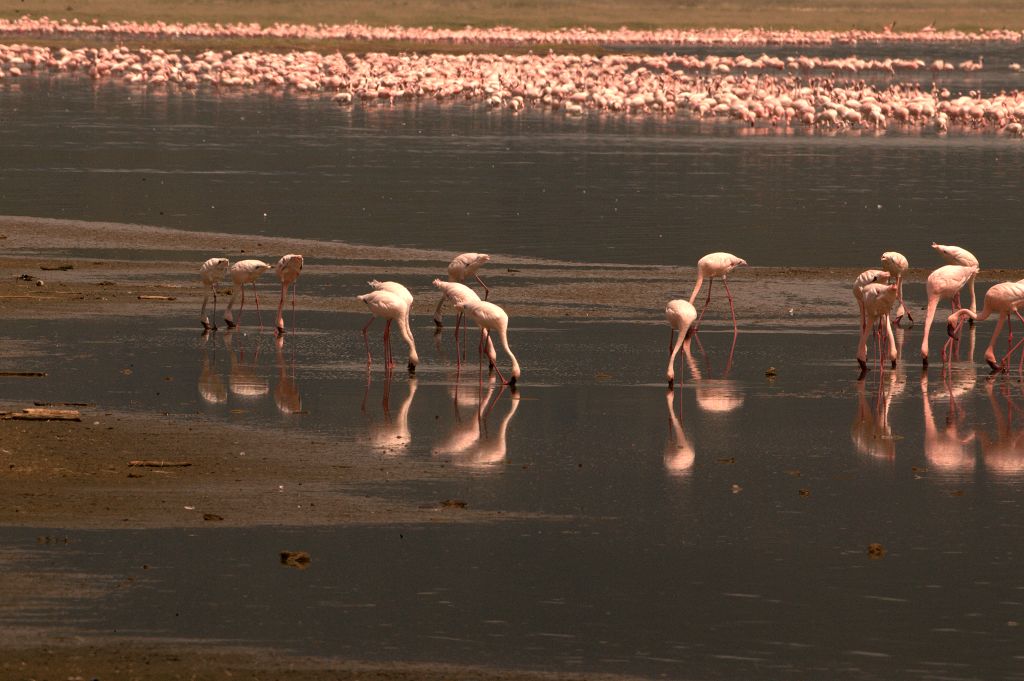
point(954, 255)
point(878, 300)
point(1002, 299)
point(897, 265)
point(288, 269)
point(943, 284)
point(392, 307)
point(244, 272)
point(680, 315)
point(211, 273)
point(459, 269)
point(863, 279)
point(716, 265)
point(460, 293)
point(489, 317)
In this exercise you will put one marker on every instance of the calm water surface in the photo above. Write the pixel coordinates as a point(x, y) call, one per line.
point(460, 177)
point(719, 534)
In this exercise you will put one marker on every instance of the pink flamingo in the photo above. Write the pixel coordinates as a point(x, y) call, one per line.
point(460, 293)
point(680, 315)
point(716, 265)
point(863, 279)
point(459, 269)
point(288, 269)
point(210, 273)
point(1002, 299)
point(954, 255)
point(392, 307)
point(943, 284)
point(489, 317)
point(896, 264)
point(878, 300)
point(244, 272)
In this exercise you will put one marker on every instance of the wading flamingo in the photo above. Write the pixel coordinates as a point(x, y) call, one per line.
point(459, 269)
point(896, 264)
point(288, 269)
point(878, 300)
point(1002, 299)
point(715, 265)
point(210, 274)
point(954, 255)
point(460, 293)
point(680, 315)
point(943, 284)
point(489, 317)
point(863, 279)
point(244, 272)
point(392, 307)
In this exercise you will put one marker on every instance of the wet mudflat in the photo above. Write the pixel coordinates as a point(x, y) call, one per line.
point(722, 529)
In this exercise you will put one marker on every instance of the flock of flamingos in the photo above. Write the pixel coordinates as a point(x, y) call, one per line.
point(792, 92)
point(877, 292)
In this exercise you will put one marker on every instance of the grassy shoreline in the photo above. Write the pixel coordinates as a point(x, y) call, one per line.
point(551, 14)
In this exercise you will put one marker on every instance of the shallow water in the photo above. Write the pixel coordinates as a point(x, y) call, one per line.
point(459, 177)
point(722, 533)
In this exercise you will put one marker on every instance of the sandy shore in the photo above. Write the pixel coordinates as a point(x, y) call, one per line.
point(78, 475)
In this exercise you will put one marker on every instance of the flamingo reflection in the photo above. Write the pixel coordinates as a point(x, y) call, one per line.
point(948, 449)
point(286, 392)
point(871, 432)
point(679, 452)
point(718, 396)
point(390, 435)
point(1004, 454)
point(470, 442)
point(244, 380)
point(211, 385)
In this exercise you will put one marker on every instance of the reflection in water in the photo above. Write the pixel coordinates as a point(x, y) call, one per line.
point(286, 392)
point(470, 442)
point(679, 452)
point(391, 435)
point(1004, 453)
point(720, 395)
point(244, 379)
point(211, 385)
point(948, 448)
point(871, 432)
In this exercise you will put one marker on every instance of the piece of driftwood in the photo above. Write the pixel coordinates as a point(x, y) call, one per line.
point(24, 374)
point(157, 298)
point(62, 404)
point(57, 268)
point(43, 414)
point(153, 463)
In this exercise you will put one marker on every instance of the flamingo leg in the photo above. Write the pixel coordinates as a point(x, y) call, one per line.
point(241, 306)
point(487, 291)
point(214, 324)
point(707, 300)
point(458, 352)
point(259, 315)
point(366, 341)
point(280, 309)
point(728, 295)
point(389, 360)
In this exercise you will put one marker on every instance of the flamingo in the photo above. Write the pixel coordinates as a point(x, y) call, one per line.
point(489, 317)
point(680, 315)
point(863, 279)
point(715, 265)
point(896, 264)
point(954, 255)
point(288, 269)
point(392, 307)
point(459, 269)
point(878, 300)
point(460, 293)
point(943, 283)
point(244, 272)
point(210, 273)
point(1002, 299)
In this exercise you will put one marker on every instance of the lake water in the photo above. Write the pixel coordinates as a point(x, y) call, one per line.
point(719, 533)
point(460, 177)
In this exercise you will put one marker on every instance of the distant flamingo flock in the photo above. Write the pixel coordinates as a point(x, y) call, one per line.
point(782, 93)
point(876, 291)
